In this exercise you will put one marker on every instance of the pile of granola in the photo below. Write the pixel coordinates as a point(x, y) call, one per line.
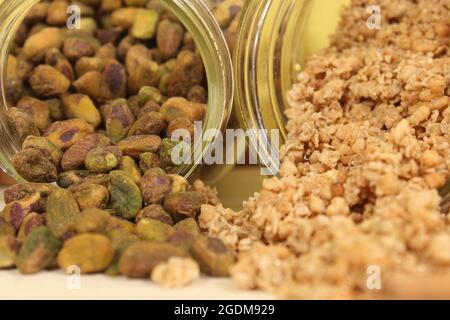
point(368, 146)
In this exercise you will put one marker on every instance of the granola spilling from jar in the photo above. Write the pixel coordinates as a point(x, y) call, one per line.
point(94, 108)
point(368, 147)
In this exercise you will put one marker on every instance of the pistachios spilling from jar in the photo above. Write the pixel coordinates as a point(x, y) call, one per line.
point(94, 107)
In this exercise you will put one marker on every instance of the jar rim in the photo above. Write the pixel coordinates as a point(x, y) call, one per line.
point(211, 44)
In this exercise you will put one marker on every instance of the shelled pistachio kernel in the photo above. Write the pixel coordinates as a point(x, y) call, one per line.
point(45, 146)
point(31, 222)
point(153, 230)
point(68, 178)
point(155, 186)
point(65, 134)
point(139, 259)
point(82, 107)
point(62, 211)
point(33, 165)
point(149, 160)
point(9, 249)
point(6, 229)
point(156, 212)
point(135, 145)
point(120, 239)
point(188, 225)
point(145, 23)
point(90, 252)
point(74, 157)
point(91, 220)
point(15, 211)
point(38, 250)
point(126, 197)
point(90, 195)
point(213, 256)
point(185, 203)
point(129, 166)
point(103, 159)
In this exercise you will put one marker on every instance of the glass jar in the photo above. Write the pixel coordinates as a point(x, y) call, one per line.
point(197, 19)
point(273, 40)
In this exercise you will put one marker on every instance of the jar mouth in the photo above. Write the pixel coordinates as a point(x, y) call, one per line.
point(268, 46)
point(211, 44)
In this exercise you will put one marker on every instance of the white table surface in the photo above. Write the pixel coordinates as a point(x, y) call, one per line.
point(54, 285)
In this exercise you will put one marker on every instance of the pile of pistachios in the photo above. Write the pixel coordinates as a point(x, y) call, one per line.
point(94, 107)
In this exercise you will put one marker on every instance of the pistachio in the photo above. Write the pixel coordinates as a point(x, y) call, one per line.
point(198, 94)
point(90, 252)
point(80, 106)
point(116, 223)
point(123, 47)
point(187, 73)
point(169, 38)
point(121, 239)
point(182, 239)
point(180, 107)
point(185, 203)
point(147, 94)
point(144, 24)
point(87, 64)
point(188, 225)
point(74, 157)
point(62, 210)
point(68, 178)
point(107, 52)
point(124, 17)
point(20, 191)
point(150, 106)
point(119, 120)
point(110, 5)
point(126, 197)
point(94, 85)
point(153, 230)
point(6, 229)
point(9, 249)
point(57, 60)
point(37, 45)
point(88, 25)
point(146, 74)
point(116, 78)
point(91, 220)
point(213, 256)
point(149, 160)
point(29, 223)
point(135, 145)
point(140, 258)
point(155, 185)
point(37, 109)
point(166, 153)
point(103, 159)
point(129, 166)
point(65, 134)
point(150, 123)
point(33, 165)
point(90, 195)
point(38, 250)
point(57, 13)
point(37, 13)
point(109, 35)
point(46, 147)
point(226, 11)
point(135, 3)
point(181, 123)
point(75, 47)
point(55, 109)
point(14, 89)
point(136, 54)
point(21, 123)
point(47, 81)
point(156, 212)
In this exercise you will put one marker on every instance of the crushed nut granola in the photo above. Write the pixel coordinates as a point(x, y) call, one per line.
point(368, 145)
point(176, 273)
